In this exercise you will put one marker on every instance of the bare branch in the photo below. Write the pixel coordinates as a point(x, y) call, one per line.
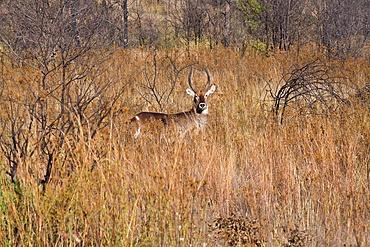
point(313, 86)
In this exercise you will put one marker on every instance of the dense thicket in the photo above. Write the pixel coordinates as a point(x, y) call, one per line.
point(341, 28)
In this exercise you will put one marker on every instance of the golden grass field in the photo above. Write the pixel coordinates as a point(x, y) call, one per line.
point(245, 181)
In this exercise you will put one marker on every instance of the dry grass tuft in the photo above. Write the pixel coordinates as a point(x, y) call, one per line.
point(297, 238)
point(237, 231)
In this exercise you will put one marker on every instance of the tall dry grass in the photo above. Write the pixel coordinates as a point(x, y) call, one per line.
point(244, 181)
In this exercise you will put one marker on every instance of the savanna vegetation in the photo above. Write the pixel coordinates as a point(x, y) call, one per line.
point(283, 161)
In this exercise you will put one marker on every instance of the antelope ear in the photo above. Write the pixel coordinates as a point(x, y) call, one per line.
point(211, 90)
point(190, 92)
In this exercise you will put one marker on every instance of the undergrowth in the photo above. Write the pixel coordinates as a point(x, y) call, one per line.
point(247, 180)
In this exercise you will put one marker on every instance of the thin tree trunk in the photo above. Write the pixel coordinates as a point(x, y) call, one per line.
point(74, 17)
point(125, 24)
point(226, 35)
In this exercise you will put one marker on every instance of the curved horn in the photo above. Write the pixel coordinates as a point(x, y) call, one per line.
point(208, 79)
point(189, 80)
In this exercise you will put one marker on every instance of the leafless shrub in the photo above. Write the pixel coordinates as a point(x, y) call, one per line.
point(145, 26)
point(313, 88)
point(189, 20)
point(279, 24)
point(153, 89)
point(362, 96)
point(342, 27)
point(66, 98)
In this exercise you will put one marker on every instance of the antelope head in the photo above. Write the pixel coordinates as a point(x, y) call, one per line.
point(200, 96)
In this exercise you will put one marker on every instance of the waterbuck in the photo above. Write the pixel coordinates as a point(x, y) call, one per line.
point(196, 117)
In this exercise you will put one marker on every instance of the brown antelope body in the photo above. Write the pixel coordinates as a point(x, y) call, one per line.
point(196, 117)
